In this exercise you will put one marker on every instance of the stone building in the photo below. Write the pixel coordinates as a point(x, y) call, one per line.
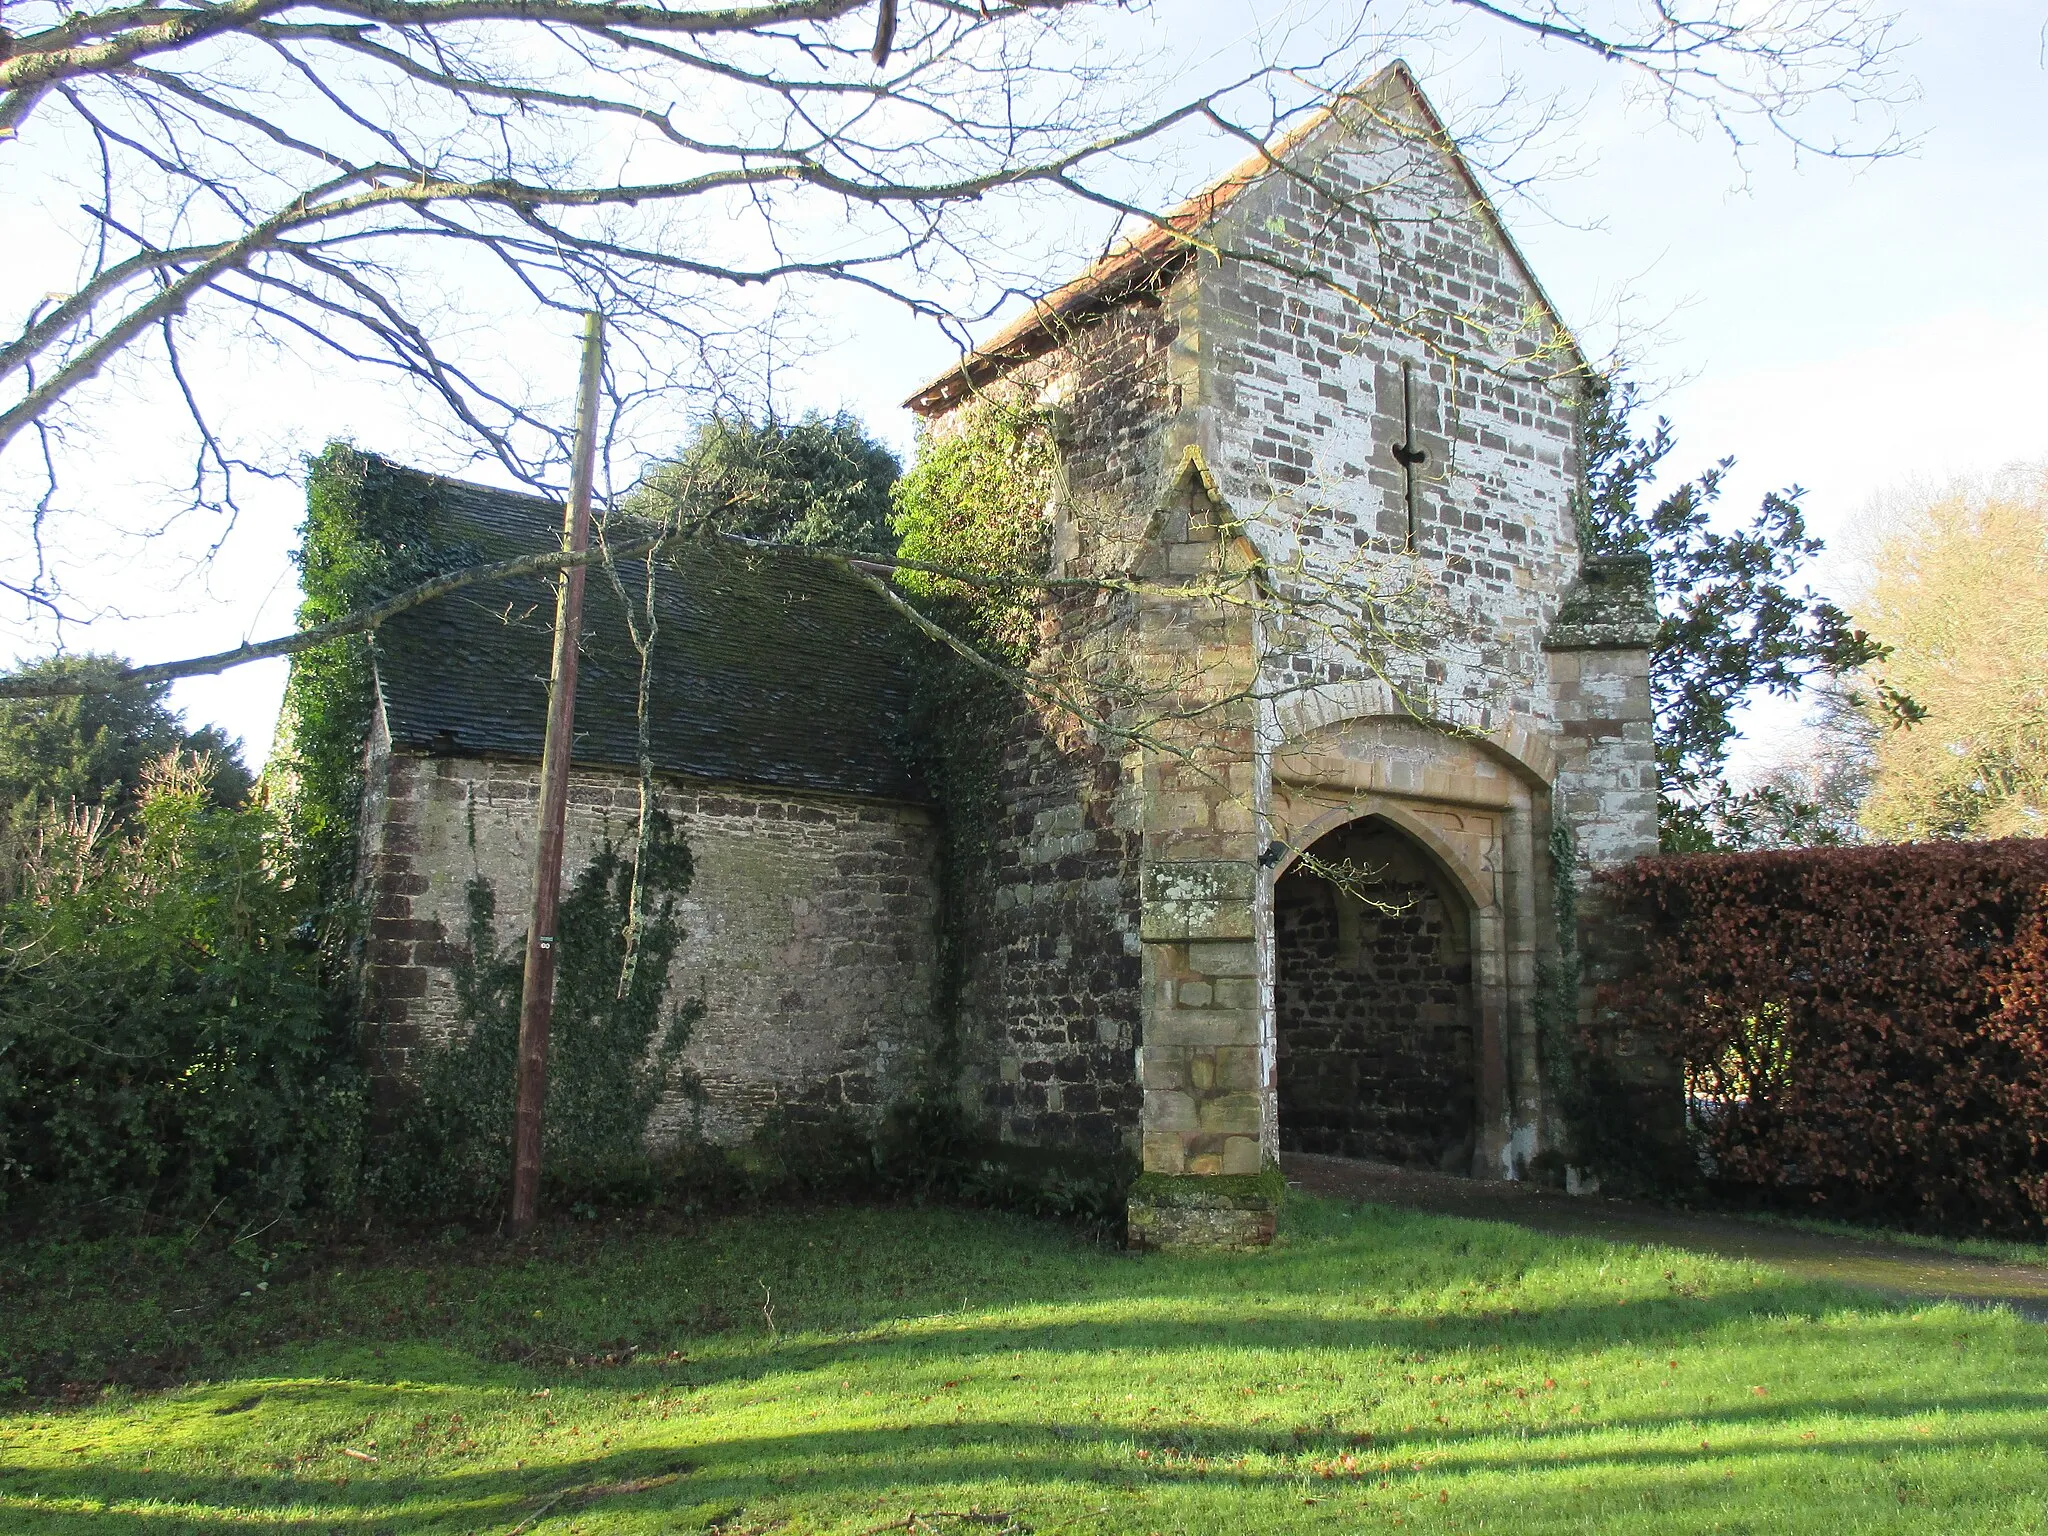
point(783, 700)
point(1332, 370)
point(1307, 907)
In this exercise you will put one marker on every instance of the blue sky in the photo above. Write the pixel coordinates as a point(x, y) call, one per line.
point(1852, 327)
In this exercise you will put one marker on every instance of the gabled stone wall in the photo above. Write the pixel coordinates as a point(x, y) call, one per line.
point(1303, 370)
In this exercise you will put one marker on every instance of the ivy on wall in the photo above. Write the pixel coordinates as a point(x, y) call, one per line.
point(1557, 987)
point(371, 529)
point(976, 502)
point(615, 1052)
point(366, 536)
point(1598, 1127)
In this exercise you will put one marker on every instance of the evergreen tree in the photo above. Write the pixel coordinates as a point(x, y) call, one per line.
point(821, 480)
point(90, 749)
point(1733, 620)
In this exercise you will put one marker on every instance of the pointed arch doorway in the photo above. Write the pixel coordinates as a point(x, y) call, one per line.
point(1376, 1012)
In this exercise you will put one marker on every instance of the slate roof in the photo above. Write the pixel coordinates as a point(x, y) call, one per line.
point(772, 668)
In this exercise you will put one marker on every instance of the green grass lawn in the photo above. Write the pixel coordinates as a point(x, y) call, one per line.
point(840, 1370)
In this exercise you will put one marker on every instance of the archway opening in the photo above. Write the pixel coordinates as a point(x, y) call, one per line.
point(1378, 1028)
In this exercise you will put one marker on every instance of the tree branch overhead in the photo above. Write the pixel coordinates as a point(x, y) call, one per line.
point(376, 185)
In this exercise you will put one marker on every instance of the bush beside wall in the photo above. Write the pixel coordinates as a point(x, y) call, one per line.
point(167, 1045)
point(1863, 1029)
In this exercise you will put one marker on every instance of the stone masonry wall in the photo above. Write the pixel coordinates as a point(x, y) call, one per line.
point(1607, 772)
point(1375, 1010)
point(810, 929)
point(1051, 967)
point(1049, 935)
point(1305, 377)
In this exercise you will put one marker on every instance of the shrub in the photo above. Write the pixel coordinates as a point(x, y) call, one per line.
point(931, 1150)
point(821, 480)
point(1862, 1028)
point(165, 1040)
point(921, 1150)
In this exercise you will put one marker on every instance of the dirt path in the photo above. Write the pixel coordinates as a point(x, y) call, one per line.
point(1891, 1267)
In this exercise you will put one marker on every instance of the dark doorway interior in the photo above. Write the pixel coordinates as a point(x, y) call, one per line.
point(1373, 989)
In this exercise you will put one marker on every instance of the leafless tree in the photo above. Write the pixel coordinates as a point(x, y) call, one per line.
point(392, 188)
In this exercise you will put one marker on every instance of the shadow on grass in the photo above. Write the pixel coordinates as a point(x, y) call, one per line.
point(1204, 1319)
point(1250, 1312)
point(845, 1270)
point(927, 1465)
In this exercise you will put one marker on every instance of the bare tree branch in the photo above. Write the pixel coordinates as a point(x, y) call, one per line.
point(360, 622)
point(388, 187)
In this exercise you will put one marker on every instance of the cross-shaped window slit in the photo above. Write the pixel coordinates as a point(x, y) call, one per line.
point(1406, 454)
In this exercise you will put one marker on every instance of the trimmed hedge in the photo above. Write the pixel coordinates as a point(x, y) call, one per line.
point(1864, 1029)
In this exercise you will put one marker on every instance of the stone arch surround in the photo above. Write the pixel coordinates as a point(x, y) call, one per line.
point(1473, 802)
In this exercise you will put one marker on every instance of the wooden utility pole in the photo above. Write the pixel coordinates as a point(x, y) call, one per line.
point(537, 998)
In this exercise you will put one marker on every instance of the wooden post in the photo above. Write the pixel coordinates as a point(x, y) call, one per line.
point(537, 998)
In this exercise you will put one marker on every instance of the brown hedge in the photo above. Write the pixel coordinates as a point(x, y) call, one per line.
point(1862, 1028)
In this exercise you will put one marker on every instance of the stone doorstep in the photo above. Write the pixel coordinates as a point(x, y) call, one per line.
point(1191, 1213)
point(1182, 1228)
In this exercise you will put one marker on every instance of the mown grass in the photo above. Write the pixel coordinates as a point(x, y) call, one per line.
point(1998, 1250)
point(841, 1370)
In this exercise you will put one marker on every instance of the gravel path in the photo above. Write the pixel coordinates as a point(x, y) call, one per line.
point(1895, 1268)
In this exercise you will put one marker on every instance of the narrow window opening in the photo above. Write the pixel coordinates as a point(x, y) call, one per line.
point(1406, 454)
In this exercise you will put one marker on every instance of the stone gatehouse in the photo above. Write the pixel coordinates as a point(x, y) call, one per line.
point(1308, 910)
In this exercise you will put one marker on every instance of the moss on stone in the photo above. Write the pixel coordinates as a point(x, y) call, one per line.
point(1228, 1192)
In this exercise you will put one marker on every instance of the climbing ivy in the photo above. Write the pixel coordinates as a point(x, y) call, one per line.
point(614, 1055)
point(366, 536)
point(372, 529)
point(974, 502)
point(1557, 1002)
point(1600, 1129)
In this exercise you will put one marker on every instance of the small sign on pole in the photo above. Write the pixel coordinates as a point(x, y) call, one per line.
point(537, 997)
